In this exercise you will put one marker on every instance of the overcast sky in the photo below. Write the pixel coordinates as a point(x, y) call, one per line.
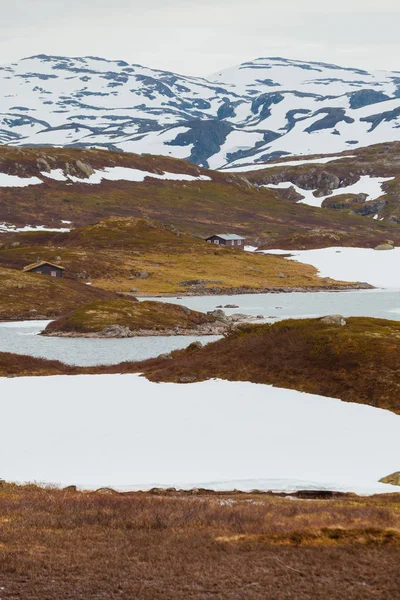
point(201, 37)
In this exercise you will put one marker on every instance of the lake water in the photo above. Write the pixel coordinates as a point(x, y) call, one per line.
point(384, 304)
point(24, 338)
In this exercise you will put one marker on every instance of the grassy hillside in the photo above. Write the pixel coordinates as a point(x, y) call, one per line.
point(358, 362)
point(30, 296)
point(146, 257)
point(151, 316)
point(226, 203)
point(67, 544)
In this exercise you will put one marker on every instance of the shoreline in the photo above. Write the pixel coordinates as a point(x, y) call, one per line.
point(242, 291)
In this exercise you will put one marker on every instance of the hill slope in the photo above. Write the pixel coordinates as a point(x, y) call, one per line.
point(63, 188)
point(258, 110)
point(147, 257)
point(365, 181)
point(357, 362)
point(30, 296)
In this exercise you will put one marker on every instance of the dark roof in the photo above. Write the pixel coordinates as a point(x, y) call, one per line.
point(227, 236)
point(40, 264)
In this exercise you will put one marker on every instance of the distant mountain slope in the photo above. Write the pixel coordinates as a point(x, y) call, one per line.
point(259, 110)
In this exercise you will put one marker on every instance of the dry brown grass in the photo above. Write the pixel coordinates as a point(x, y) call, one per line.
point(28, 295)
point(146, 315)
point(112, 251)
point(356, 363)
point(58, 544)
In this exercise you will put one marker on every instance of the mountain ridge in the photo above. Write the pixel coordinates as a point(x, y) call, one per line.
point(251, 113)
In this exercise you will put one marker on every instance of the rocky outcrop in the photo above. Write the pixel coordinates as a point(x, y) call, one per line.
point(336, 320)
point(393, 479)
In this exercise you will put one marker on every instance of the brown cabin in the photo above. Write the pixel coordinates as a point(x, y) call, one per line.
point(227, 239)
point(45, 268)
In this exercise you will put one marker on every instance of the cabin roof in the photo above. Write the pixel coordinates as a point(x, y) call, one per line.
point(40, 264)
point(228, 236)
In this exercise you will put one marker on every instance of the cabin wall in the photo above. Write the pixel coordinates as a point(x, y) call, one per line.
point(47, 270)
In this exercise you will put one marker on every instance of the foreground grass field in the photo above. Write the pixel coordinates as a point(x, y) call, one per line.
point(58, 544)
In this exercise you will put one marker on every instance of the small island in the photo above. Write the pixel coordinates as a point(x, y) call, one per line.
point(123, 318)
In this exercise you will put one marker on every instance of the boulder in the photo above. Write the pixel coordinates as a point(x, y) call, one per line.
point(393, 479)
point(218, 315)
point(165, 356)
point(85, 168)
point(187, 379)
point(336, 320)
point(197, 345)
point(385, 246)
point(116, 331)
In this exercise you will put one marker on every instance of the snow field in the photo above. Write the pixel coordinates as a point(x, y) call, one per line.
point(126, 432)
point(379, 268)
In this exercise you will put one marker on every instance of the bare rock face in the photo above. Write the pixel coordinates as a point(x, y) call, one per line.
point(393, 479)
point(336, 320)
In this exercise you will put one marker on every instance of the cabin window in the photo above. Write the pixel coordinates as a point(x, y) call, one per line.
point(216, 241)
point(239, 242)
point(54, 273)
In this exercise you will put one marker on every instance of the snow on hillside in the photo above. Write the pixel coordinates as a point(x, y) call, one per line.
point(379, 268)
point(253, 112)
point(108, 174)
point(126, 432)
point(370, 186)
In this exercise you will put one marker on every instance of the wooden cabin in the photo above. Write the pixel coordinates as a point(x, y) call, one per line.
point(45, 268)
point(227, 239)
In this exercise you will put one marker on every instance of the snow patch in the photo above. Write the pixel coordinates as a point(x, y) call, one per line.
point(123, 174)
point(290, 163)
point(378, 268)
point(15, 181)
point(125, 431)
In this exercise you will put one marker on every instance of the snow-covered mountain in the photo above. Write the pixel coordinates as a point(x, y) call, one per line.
point(259, 110)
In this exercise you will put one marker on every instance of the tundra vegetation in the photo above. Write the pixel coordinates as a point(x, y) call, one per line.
point(62, 543)
point(143, 256)
point(228, 201)
point(107, 315)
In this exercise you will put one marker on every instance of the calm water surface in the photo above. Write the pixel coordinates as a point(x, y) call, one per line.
point(23, 338)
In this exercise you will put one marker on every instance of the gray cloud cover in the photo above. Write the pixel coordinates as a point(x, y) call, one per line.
point(202, 37)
